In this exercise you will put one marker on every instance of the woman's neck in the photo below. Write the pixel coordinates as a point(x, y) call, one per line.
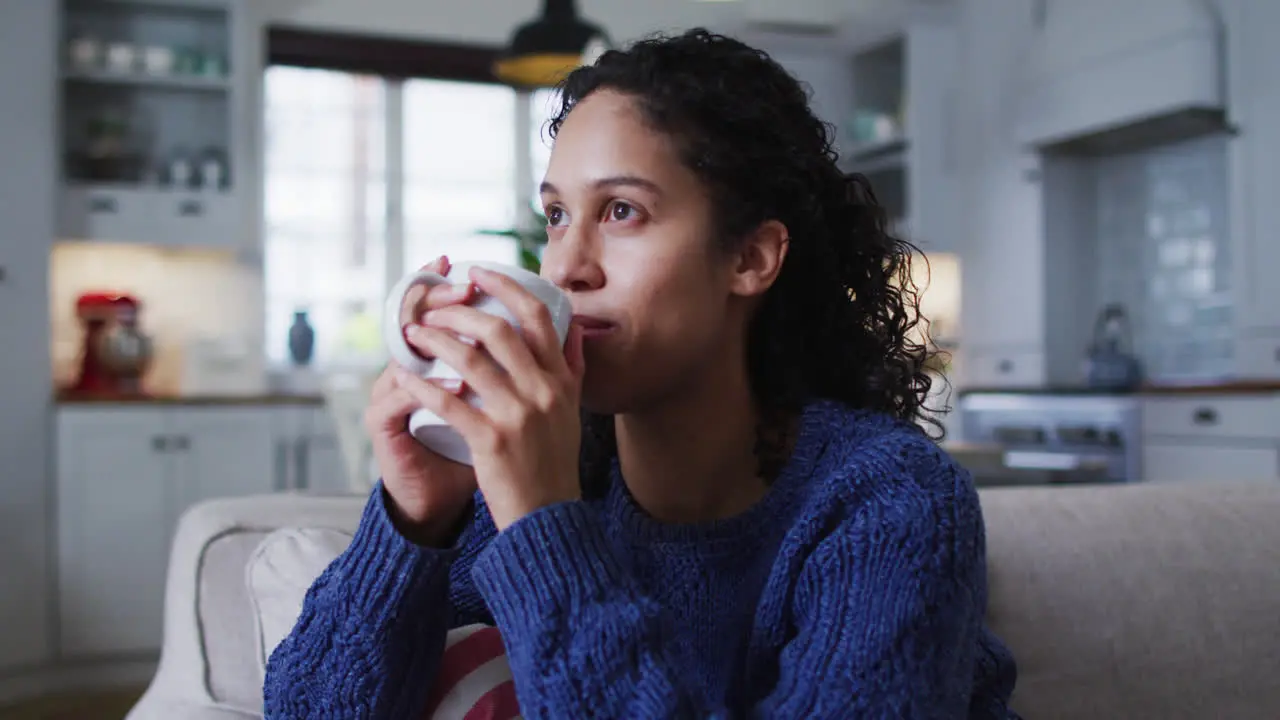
point(692, 459)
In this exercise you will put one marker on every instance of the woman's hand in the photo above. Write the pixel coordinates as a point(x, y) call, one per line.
point(428, 493)
point(524, 441)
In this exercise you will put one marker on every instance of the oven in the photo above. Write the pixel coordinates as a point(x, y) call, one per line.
point(1050, 437)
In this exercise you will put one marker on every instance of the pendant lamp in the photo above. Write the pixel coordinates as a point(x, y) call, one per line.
point(544, 50)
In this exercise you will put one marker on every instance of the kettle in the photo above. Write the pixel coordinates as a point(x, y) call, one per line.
point(1110, 363)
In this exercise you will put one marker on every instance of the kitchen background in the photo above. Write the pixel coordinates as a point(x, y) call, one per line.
point(1090, 180)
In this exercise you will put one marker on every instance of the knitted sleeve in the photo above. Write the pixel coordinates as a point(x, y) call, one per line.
point(372, 629)
point(886, 614)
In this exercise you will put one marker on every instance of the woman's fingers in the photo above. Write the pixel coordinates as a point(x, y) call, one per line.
point(389, 410)
point(531, 314)
point(495, 336)
point(477, 368)
point(455, 411)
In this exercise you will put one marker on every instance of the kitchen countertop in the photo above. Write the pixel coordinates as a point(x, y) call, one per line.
point(1241, 387)
point(68, 399)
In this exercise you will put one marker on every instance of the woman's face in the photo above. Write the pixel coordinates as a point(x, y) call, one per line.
point(631, 242)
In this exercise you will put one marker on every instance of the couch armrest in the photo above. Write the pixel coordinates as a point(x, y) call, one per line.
point(208, 659)
point(155, 708)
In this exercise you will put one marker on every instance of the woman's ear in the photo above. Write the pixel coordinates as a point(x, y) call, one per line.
point(760, 258)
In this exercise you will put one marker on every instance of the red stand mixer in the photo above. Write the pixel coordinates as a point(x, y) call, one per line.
point(116, 354)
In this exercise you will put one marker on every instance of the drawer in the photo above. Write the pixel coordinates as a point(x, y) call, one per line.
point(194, 219)
point(151, 216)
point(1212, 416)
point(1167, 461)
point(106, 213)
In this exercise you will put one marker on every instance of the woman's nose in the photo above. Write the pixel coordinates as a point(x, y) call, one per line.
point(572, 263)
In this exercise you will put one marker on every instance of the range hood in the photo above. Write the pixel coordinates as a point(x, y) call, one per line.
point(1109, 76)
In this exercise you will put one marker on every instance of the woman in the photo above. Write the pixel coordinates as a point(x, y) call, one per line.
point(749, 520)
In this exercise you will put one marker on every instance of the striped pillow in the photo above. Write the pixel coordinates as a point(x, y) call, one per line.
point(474, 682)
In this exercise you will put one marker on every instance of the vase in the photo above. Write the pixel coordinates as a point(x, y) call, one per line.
point(302, 339)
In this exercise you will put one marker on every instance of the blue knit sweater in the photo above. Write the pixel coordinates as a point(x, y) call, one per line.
point(855, 589)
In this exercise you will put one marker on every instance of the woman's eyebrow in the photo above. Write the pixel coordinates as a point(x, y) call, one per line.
point(610, 182)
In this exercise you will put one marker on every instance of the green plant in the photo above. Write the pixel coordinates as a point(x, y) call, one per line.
point(530, 238)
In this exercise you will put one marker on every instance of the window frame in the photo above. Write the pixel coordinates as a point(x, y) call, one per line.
point(395, 62)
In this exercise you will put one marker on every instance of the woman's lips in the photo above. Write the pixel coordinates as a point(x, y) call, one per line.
point(593, 326)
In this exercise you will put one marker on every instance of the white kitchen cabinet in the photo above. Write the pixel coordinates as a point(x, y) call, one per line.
point(1002, 255)
point(28, 48)
point(1252, 56)
point(1211, 438)
point(308, 453)
point(1000, 367)
point(1239, 417)
point(125, 474)
point(1171, 460)
point(113, 212)
point(116, 500)
point(222, 452)
point(932, 54)
point(189, 118)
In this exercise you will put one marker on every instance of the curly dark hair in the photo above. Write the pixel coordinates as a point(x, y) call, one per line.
point(837, 323)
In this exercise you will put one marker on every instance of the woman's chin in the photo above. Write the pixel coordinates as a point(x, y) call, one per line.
point(605, 393)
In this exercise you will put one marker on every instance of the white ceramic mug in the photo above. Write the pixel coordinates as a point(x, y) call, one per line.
point(426, 426)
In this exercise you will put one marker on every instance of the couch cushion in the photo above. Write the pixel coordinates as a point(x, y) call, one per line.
point(1144, 601)
point(278, 575)
point(475, 678)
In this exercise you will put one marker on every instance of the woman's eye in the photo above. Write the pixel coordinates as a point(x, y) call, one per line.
point(621, 212)
point(554, 216)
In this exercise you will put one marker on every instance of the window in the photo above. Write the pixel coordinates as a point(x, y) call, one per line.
point(369, 177)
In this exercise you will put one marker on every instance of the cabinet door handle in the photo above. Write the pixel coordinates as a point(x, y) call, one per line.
point(181, 443)
point(190, 208)
point(1205, 416)
point(160, 443)
point(103, 205)
point(282, 467)
point(301, 463)
point(4, 275)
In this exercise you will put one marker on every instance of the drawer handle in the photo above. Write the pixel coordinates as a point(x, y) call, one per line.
point(1205, 416)
point(191, 208)
point(1005, 366)
point(105, 205)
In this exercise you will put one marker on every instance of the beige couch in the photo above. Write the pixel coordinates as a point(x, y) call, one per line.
point(1142, 601)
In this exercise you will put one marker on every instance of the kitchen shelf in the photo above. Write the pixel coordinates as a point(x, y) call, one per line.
point(162, 82)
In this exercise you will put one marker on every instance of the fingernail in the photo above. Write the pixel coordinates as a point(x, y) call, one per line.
point(414, 331)
point(452, 385)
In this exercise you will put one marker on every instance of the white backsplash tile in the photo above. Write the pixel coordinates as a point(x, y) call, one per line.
point(1163, 236)
point(189, 298)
